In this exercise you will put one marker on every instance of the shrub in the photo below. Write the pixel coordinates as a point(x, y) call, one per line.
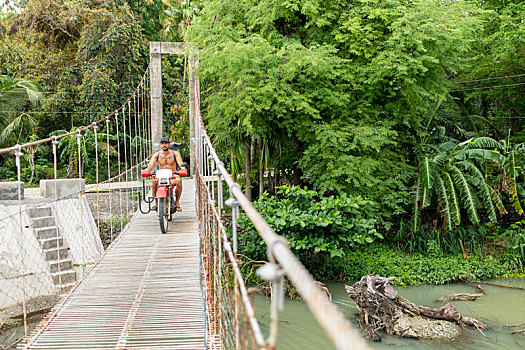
point(312, 224)
point(431, 268)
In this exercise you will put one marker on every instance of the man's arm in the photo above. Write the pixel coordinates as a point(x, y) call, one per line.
point(152, 162)
point(178, 158)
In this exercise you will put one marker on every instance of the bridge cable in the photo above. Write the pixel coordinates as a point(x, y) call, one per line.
point(125, 155)
point(120, 176)
point(108, 148)
point(95, 129)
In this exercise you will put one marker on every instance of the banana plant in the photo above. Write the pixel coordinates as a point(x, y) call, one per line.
point(459, 177)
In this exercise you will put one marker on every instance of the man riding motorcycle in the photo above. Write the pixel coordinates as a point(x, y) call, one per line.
point(167, 158)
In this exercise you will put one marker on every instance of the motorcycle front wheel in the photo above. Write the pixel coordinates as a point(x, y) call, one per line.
point(164, 213)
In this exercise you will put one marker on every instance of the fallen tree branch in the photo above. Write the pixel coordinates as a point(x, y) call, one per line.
point(461, 297)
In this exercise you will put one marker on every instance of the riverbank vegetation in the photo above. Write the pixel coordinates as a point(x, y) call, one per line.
point(376, 136)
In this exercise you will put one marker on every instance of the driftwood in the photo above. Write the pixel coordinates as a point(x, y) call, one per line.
point(381, 308)
point(518, 331)
point(463, 296)
point(503, 286)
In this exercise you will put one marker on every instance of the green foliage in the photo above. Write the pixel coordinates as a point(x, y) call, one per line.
point(312, 224)
point(177, 16)
point(180, 130)
point(147, 14)
point(457, 176)
point(86, 56)
point(515, 236)
point(472, 239)
point(431, 268)
point(340, 86)
point(358, 159)
point(492, 89)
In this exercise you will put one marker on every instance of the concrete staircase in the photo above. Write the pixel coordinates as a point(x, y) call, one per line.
point(55, 251)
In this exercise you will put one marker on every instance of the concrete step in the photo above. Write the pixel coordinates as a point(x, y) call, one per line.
point(65, 265)
point(64, 277)
point(44, 221)
point(67, 286)
point(39, 212)
point(53, 253)
point(52, 242)
point(46, 232)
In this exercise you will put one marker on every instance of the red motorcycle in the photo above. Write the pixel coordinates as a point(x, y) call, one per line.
point(164, 195)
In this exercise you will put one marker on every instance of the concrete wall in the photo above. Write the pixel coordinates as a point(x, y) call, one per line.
point(9, 190)
point(64, 187)
point(77, 226)
point(22, 263)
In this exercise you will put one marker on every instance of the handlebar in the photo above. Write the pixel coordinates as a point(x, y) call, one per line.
point(182, 172)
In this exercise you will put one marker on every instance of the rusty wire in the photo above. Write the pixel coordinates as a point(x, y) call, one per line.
point(224, 284)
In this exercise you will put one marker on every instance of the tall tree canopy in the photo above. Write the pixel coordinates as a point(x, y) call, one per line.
point(342, 86)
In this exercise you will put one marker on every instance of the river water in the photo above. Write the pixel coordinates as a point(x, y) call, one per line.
point(502, 309)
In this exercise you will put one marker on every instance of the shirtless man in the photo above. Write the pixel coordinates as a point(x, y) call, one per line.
point(167, 159)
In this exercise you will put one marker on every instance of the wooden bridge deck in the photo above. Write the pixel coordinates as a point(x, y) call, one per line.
point(145, 292)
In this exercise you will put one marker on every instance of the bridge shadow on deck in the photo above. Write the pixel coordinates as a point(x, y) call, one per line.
point(145, 292)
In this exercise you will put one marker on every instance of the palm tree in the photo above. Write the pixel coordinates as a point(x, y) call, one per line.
point(177, 17)
point(15, 95)
point(458, 175)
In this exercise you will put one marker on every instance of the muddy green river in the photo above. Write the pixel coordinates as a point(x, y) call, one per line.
point(502, 309)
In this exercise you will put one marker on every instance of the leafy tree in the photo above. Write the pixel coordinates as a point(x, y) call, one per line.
point(317, 74)
point(491, 83)
point(87, 57)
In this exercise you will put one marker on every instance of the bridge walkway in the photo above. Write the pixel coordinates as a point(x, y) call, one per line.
point(145, 292)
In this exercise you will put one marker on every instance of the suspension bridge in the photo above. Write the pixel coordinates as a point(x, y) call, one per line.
point(179, 290)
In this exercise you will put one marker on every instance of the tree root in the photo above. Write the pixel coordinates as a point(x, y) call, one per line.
point(381, 308)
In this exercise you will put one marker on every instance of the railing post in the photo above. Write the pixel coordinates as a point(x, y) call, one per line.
point(18, 155)
point(80, 201)
point(192, 109)
point(155, 91)
point(231, 202)
point(219, 191)
point(272, 272)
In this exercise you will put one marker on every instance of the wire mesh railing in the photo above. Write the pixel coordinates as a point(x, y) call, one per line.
point(232, 322)
point(51, 238)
